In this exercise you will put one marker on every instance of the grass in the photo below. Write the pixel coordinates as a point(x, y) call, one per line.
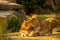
point(17, 37)
point(2, 24)
point(34, 38)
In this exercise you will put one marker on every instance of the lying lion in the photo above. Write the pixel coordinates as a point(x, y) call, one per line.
point(30, 26)
point(36, 27)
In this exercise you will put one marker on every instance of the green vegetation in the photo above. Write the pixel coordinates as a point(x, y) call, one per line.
point(14, 25)
point(57, 9)
point(32, 5)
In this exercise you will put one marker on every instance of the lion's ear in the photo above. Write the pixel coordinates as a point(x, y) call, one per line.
point(23, 24)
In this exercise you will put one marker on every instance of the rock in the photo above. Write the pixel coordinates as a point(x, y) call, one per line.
point(10, 6)
point(9, 10)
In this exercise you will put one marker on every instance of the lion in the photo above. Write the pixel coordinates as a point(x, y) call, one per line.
point(31, 26)
point(53, 22)
point(36, 27)
point(47, 25)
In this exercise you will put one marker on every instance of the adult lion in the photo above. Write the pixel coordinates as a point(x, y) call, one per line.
point(36, 27)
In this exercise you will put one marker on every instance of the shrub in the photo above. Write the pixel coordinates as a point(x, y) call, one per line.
point(14, 25)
